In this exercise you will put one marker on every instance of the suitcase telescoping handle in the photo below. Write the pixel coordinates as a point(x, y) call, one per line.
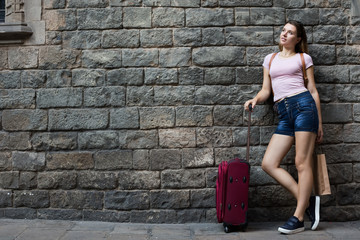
point(248, 135)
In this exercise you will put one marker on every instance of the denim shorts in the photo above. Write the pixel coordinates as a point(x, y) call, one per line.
point(297, 113)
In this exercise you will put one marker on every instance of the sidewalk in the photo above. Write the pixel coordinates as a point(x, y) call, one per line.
point(71, 230)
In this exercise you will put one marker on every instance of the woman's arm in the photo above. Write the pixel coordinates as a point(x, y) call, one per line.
point(263, 94)
point(312, 89)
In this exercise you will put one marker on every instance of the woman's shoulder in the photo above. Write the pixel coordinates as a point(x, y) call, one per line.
point(307, 56)
point(267, 57)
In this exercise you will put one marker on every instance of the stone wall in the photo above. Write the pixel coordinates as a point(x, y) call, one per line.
point(121, 110)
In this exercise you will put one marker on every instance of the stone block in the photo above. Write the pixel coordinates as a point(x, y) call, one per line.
point(348, 194)
point(157, 3)
point(242, 16)
point(69, 160)
point(357, 172)
point(334, 133)
point(9, 180)
point(240, 136)
point(88, 77)
point(335, 16)
point(329, 34)
point(78, 119)
point(54, 4)
point(76, 200)
point(177, 138)
point(198, 157)
point(113, 160)
point(179, 179)
point(23, 58)
point(106, 216)
point(267, 16)
point(251, 75)
point(192, 116)
point(211, 176)
point(20, 213)
point(212, 95)
point(140, 57)
point(28, 180)
point(242, 3)
point(213, 36)
point(125, 3)
point(54, 57)
point(15, 141)
point(104, 96)
point(214, 137)
point(185, 3)
point(133, 139)
point(353, 35)
point(99, 18)
point(160, 117)
point(228, 115)
point(218, 56)
point(354, 74)
point(357, 112)
point(332, 74)
point(31, 79)
point(54, 141)
point(259, 177)
point(191, 76)
point(169, 199)
point(101, 58)
point(10, 79)
point(5, 199)
point(191, 216)
point(120, 38)
point(189, 37)
point(60, 19)
point(4, 59)
point(53, 37)
point(24, 120)
point(82, 39)
point(308, 16)
point(140, 96)
point(161, 159)
point(124, 118)
point(156, 38)
point(240, 36)
point(174, 95)
point(141, 159)
point(31, 199)
point(60, 214)
point(209, 3)
point(137, 17)
point(207, 17)
point(168, 17)
point(348, 55)
point(324, 4)
point(87, 4)
point(97, 180)
point(127, 200)
point(98, 140)
point(139, 180)
point(125, 77)
point(219, 76)
point(175, 57)
point(336, 113)
point(58, 78)
point(160, 76)
point(28, 161)
point(56, 180)
point(59, 97)
point(276, 195)
point(351, 133)
point(203, 198)
point(340, 173)
point(5, 161)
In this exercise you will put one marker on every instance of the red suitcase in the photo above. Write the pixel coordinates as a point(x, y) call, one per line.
point(232, 189)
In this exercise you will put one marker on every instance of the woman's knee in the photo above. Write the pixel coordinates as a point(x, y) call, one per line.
point(302, 163)
point(267, 166)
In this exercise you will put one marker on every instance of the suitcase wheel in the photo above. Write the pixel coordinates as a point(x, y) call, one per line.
point(226, 229)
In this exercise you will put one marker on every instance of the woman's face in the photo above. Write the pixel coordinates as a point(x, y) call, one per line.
point(288, 36)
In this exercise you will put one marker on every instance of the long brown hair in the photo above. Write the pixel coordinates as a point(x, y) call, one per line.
point(302, 46)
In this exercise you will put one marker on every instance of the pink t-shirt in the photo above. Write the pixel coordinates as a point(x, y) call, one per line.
point(286, 74)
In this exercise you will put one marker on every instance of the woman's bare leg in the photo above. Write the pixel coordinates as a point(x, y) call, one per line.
point(304, 146)
point(277, 149)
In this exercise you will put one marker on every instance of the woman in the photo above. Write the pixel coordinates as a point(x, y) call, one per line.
point(298, 106)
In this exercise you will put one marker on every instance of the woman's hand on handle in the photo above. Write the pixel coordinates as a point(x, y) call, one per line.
point(251, 102)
